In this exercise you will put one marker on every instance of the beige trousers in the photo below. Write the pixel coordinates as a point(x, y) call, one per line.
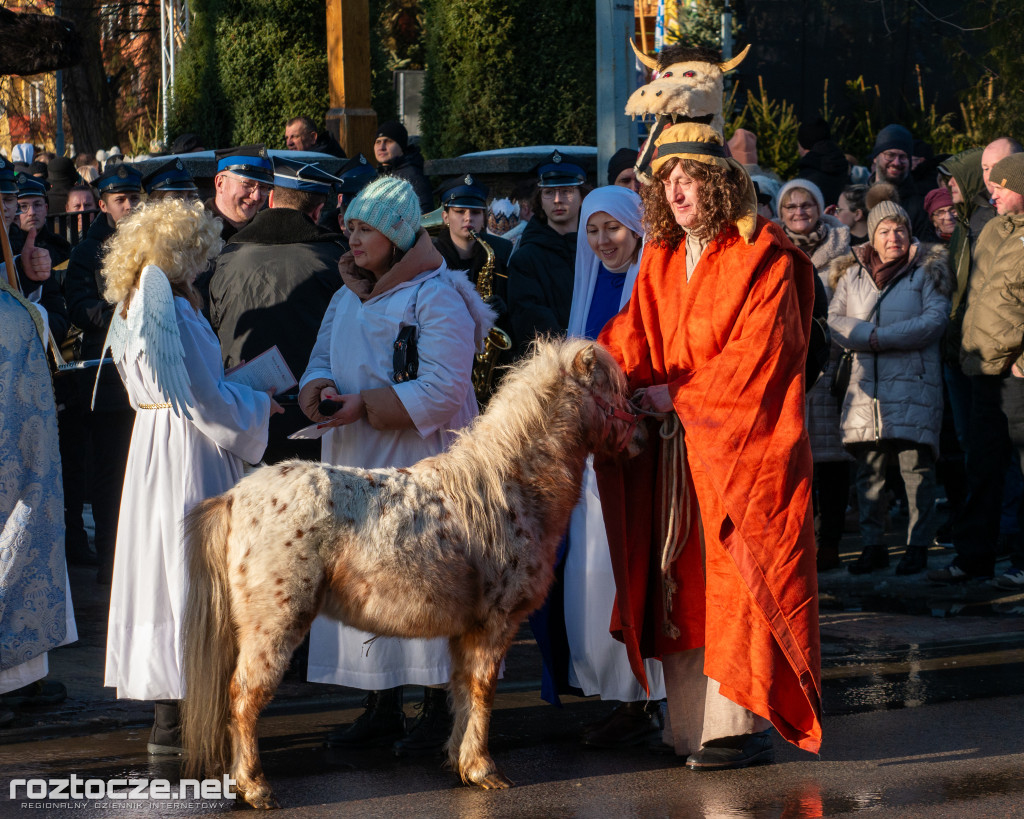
point(697, 712)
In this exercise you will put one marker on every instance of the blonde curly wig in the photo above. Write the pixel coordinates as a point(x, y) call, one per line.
point(177, 236)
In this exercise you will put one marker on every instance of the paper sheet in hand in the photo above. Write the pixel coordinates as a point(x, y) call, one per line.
point(268, 371)
point(310, 433)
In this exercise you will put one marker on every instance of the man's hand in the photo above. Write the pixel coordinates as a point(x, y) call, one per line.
point(655, 398)
point(35, 260)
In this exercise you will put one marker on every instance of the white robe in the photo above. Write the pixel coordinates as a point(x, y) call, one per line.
point(173, 464)
point(355, 349)
point(597, 661)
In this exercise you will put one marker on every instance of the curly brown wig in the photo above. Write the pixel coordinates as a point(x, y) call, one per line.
point(719, 201)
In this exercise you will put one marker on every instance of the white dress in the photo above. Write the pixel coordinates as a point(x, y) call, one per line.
point(355, 349)
point(173, 464)
point(597, 661)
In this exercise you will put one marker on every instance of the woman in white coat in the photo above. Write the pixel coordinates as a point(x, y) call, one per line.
point(193, 433)
point(608, 250)
point(393, 406)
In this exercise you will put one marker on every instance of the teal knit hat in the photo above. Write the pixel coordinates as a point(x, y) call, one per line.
point(390, 205)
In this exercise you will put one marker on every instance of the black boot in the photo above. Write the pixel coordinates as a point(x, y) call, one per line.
point(165, 736)
point(875, 556)
point(828, 557)
point(914, 560)
point(381, 723)
point(430, 730)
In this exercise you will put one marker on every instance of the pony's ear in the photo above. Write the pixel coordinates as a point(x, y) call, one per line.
point(585, 361)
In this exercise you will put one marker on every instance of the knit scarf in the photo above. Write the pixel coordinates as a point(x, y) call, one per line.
point(884, 272)
point(808, 242)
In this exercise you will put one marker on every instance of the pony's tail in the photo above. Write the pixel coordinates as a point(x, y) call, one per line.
point(210, 647)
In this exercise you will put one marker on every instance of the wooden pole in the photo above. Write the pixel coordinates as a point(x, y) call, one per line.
point(351, 119)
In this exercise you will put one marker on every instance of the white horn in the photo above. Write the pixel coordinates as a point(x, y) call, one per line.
point(729, 65)
point(650, 62)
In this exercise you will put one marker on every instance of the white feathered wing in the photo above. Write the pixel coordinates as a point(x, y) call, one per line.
point(151, 328)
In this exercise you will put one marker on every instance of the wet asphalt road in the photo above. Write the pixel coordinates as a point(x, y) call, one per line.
point(917, 731)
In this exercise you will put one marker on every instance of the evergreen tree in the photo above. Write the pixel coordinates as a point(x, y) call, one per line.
point(508, 73)
point(249, 66)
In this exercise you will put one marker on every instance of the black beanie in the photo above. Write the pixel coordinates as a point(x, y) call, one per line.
point(396, 131)
point(621, 160)
point(810, 134)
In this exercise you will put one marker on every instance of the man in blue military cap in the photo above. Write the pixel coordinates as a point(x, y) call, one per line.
point(109, 424)
point(272, 285)
point(243, 180)
point(542, 270)
point(171, 181)
point(30, 230)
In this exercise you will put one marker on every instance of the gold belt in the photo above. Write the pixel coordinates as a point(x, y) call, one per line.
point(155, 406)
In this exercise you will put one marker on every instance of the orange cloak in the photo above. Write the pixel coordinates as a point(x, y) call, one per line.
point(731, 345)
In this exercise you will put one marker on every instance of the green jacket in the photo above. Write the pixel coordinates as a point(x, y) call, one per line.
point(993, 338)
point(972, 215)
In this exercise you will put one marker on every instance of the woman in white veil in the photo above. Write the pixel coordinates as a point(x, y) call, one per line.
point(608, 251)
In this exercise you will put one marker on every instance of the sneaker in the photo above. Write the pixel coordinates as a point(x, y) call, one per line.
point(1013, 580)
point(950, 574)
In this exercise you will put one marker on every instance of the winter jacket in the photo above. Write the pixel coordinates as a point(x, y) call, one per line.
point(895, 393)
point(327, 144)
point(825, 165)
point(83, 289)
point(272, 285)
point(992, 334)
point(47, 293)
point(822, 408)
point(409, 166)
point(540, 279)
point(971, 217)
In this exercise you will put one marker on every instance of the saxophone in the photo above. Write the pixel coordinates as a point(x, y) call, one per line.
point(497, 340)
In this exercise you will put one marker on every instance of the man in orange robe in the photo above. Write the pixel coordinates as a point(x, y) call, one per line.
point(717, 331)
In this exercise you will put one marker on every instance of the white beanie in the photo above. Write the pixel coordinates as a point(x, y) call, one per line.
point(802, 184)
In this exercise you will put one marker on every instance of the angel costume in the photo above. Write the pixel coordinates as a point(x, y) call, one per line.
point(598, 663)
point(193, 431)
point(355, 350)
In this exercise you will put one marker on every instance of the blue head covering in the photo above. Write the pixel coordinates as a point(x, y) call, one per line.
point(625, 206)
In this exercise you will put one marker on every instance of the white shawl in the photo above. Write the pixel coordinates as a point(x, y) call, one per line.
point(622, 204)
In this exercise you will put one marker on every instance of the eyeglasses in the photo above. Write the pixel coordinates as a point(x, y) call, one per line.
point(794, 208)
point(894, 156)
point(251, 185)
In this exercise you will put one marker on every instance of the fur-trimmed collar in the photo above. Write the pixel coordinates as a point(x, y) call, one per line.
point(283, 226)
point(931, 258)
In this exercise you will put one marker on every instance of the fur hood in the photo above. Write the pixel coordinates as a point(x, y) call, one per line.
point(931, 258)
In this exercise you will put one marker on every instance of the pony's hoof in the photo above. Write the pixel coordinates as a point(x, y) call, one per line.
point(262, 800)
point(495, 780)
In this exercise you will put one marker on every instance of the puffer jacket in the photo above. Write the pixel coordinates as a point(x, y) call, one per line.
point(895, 393)
point(822, 408)
point(992, 336)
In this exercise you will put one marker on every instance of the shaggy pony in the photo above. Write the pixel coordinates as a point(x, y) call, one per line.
point(460, 545)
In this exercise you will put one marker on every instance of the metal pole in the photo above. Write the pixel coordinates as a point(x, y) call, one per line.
point(616, 79)
point(163, 64)
point(727, 31)
point(58, 105)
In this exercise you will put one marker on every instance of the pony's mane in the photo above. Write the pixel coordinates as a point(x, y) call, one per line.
point(521, 412)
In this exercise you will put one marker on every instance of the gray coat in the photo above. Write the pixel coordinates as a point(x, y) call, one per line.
point(895, 393)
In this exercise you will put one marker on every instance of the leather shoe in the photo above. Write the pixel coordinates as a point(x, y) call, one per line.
point(914, 560)
point(729, 753)
point(632, 723)
point(875, 556)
